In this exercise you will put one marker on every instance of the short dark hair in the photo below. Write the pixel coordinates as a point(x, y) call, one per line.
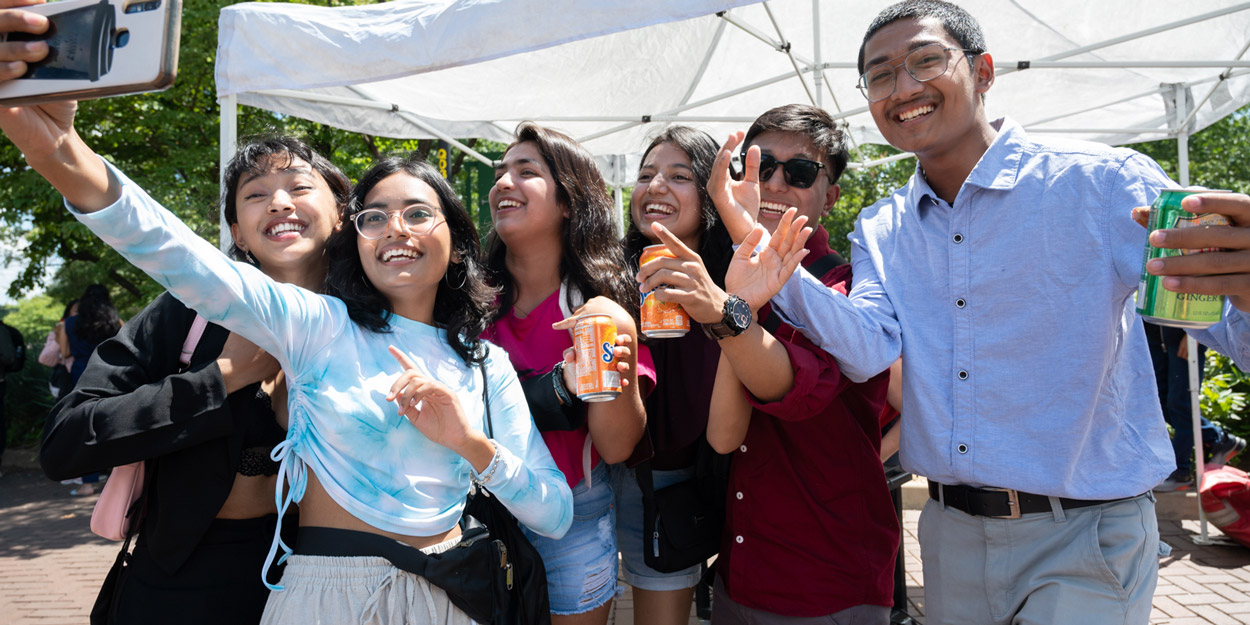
point(97, 318)
point(461, 309)
point(592, 257)
point(959, 24)
point(257, 156)
point(811, 122)
point(715, 246)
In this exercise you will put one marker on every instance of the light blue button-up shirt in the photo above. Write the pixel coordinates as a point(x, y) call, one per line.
point(1024, 363)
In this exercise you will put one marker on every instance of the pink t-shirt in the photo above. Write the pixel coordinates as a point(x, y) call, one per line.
point(534, 348)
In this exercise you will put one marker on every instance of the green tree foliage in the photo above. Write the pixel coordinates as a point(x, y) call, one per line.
point(862, 188)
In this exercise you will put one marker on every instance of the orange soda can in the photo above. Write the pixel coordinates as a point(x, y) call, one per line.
point(594, 337)
point(661, 320)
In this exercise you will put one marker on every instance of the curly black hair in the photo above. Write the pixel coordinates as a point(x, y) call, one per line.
point(464, 299)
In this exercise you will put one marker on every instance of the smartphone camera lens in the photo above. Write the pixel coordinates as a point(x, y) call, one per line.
point(142, 5)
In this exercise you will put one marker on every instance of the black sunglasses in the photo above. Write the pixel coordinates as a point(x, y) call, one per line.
point(799, 173)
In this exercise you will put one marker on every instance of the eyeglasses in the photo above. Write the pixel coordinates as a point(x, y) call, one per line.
point(372, 223)
point(924, 64)
point(799, 173)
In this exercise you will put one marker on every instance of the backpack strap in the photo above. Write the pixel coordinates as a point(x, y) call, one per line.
point(193, 339)
point(818, 268)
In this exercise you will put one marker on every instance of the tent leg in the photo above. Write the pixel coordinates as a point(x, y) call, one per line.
point(618, 196)
point(229, 132)
point(1195, 383)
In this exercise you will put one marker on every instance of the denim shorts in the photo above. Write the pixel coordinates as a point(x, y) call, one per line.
point(630, 534)
point(582, 566)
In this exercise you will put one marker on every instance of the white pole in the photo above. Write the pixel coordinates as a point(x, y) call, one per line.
point(818, 76)
point(229, 133)
point(1179, 92)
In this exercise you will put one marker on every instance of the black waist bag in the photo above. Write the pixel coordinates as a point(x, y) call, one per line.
point(682, 522)
point(478, 575)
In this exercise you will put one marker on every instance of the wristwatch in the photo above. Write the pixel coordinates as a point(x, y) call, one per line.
point(736, 320)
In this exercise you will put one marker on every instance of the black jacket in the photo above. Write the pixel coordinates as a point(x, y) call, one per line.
point(135, 403)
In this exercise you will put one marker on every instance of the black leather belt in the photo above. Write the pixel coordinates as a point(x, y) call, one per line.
point(1002, 503)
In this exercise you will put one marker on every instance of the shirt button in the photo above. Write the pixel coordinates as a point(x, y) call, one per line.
point(962, 448)
point(738, 540)
point(963, 375)
point(960, 302)
point(739, 495)
point(958, 238)
point(743, 449)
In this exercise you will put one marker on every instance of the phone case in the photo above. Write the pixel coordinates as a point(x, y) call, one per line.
point(100, 48)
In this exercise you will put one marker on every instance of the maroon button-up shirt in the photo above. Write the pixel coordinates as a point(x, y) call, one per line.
point(810, 525)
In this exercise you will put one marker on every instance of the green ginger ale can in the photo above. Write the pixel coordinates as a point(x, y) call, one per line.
point(1159, 305)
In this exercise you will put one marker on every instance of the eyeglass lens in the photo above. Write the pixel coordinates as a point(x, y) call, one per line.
point(799, 172)
point(372, 223)
point(924, 64)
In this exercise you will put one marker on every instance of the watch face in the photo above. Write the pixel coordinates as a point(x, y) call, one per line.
point(739, 314)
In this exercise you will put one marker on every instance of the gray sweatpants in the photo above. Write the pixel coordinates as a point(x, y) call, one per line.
point(365, 589)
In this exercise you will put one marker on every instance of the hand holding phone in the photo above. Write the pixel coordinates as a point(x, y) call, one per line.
point(14, 55)
point(95, 48)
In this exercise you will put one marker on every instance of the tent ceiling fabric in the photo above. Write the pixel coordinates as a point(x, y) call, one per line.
point(595, 68)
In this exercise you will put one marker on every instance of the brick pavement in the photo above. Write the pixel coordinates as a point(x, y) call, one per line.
point(51, 564)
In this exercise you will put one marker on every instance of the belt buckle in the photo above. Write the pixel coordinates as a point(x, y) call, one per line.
point(1013, 503)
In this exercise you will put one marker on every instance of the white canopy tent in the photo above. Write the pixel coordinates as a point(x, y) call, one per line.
point(614, 72)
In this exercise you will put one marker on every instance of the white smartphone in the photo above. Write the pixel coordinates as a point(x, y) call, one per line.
point(99, 48)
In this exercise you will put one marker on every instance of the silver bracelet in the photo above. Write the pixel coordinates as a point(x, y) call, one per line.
point(482, 478)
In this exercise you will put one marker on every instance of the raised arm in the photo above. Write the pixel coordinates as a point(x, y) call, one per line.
point(281, 319)
point(859, 330)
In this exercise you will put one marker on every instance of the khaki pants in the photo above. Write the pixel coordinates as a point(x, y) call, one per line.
point(1094, 565)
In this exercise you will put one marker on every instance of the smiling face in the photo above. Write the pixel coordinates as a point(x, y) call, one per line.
point(524, 203)
point(285, 212)
point(403, 266)
point(938, 117)
point(776, 196)
point(667, 192)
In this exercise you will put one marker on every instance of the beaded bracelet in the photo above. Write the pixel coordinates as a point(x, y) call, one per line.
point(482, 478)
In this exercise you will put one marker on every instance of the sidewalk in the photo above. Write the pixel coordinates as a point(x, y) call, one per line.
point(51, 565)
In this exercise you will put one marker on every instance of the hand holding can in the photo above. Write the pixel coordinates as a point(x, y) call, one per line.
point(1157, 304)
point(594, 340)
point(661, 320)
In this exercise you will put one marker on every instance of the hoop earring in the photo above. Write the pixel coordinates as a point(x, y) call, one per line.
point(464, 277)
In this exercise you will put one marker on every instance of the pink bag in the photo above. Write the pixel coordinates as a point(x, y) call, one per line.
point(1226, 501)
point(111, 518)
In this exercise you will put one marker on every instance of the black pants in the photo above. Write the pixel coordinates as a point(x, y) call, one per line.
point(219, 583)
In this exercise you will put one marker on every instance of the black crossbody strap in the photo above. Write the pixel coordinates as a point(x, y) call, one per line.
point(642, 472)
point(490, 431)
point(818, 268)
